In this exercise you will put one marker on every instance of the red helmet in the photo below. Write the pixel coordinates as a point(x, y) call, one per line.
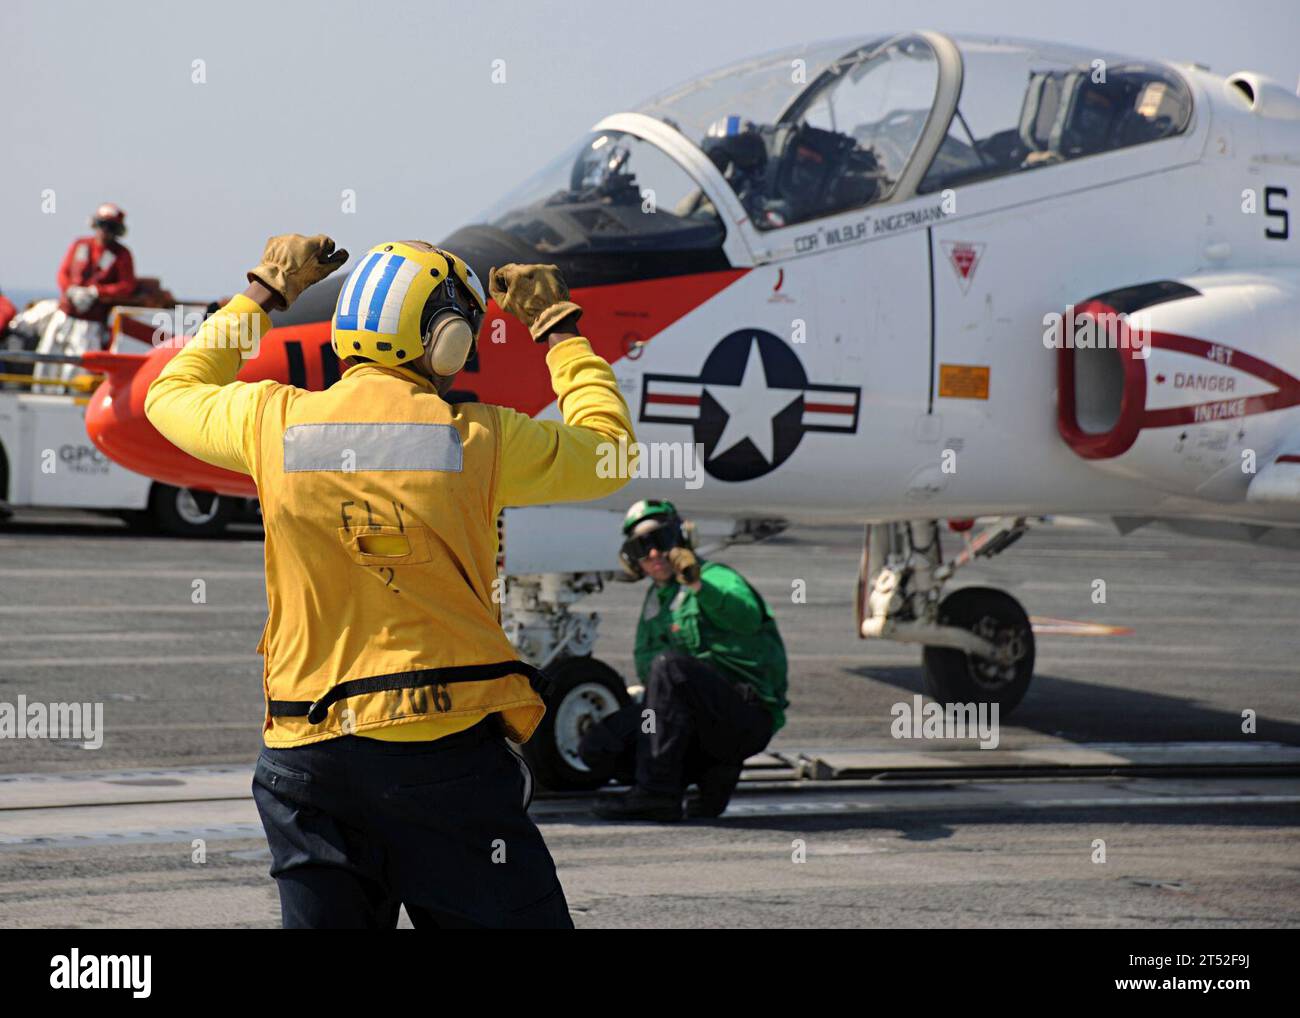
point(109, 217)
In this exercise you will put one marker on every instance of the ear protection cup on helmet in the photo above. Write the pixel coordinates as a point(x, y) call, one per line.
point(448, 342)
point(630, 565)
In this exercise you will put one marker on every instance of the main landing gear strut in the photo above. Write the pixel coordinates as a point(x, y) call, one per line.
point(979, 646)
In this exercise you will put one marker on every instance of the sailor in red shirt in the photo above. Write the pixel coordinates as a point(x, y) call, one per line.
point(7, 312)
point(96, 273)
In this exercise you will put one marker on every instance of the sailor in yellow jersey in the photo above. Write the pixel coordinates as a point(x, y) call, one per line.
point(390, 686)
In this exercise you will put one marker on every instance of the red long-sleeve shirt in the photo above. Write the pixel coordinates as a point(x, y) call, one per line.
point(7, 312)
point(109, 268)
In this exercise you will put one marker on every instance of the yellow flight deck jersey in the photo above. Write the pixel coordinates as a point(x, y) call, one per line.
point(379, 502)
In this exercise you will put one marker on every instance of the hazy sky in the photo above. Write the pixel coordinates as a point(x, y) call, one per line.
point(396, 101)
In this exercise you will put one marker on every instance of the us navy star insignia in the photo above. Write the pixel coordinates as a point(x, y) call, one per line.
point(750, 405)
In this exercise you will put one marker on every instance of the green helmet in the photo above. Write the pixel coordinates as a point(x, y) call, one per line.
point(649, 509)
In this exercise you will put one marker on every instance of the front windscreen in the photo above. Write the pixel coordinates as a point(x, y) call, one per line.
point(611, 192)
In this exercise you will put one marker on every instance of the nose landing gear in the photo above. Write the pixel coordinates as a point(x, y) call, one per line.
point(583, 691)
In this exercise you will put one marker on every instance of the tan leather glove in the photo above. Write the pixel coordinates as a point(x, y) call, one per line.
point(535, 294)
point(291, 263)
point(685, 565)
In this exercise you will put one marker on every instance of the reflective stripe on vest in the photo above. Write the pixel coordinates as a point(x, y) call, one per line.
point(384, 446)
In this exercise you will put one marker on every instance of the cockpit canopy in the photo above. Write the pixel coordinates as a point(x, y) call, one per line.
point(816, 130)
point(1024, 106)
point(612, 191)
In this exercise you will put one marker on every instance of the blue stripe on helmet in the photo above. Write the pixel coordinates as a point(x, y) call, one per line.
point(381, 292)
point(347, 318)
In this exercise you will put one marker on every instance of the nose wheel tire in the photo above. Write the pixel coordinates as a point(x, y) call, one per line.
point(582, 691)
point(954, 676)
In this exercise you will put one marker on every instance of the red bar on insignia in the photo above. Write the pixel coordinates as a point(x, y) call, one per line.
point(822, 407)
point(672, 399)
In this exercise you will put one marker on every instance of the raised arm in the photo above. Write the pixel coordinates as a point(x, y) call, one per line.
point(195, 402)
point(546, 461)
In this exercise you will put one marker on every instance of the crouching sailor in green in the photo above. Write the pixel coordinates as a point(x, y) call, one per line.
point(714, 670)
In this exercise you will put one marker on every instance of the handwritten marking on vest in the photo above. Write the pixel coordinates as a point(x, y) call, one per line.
point(373, 522)
point(388, 582)
point(441, 698)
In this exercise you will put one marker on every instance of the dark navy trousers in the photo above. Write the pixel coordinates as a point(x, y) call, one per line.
point(359, 826)
point(701, 719)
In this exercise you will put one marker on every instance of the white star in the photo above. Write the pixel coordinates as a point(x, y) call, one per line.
point(750, 408)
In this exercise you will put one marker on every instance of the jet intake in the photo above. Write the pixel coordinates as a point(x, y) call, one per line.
point(1195, 389)
point(1101, 379)
point(1098, 389)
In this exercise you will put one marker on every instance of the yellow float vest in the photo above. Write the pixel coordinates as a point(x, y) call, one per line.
point(379, 511)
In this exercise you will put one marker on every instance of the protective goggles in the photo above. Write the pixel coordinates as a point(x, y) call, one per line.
point(661, 539)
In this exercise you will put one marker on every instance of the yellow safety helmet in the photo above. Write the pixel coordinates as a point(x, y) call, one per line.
point(402, 300)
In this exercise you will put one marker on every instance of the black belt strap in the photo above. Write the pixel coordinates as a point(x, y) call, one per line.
point(316, 711)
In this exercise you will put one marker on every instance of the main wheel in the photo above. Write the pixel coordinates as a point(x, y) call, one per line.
point(954, 676)
point(582, 692)
point(185, 513)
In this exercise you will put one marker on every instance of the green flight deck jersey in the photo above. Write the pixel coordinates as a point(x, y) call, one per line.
point(726, 624)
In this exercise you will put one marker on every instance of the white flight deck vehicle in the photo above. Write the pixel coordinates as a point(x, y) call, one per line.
point(47, 460)
point(915, 279)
